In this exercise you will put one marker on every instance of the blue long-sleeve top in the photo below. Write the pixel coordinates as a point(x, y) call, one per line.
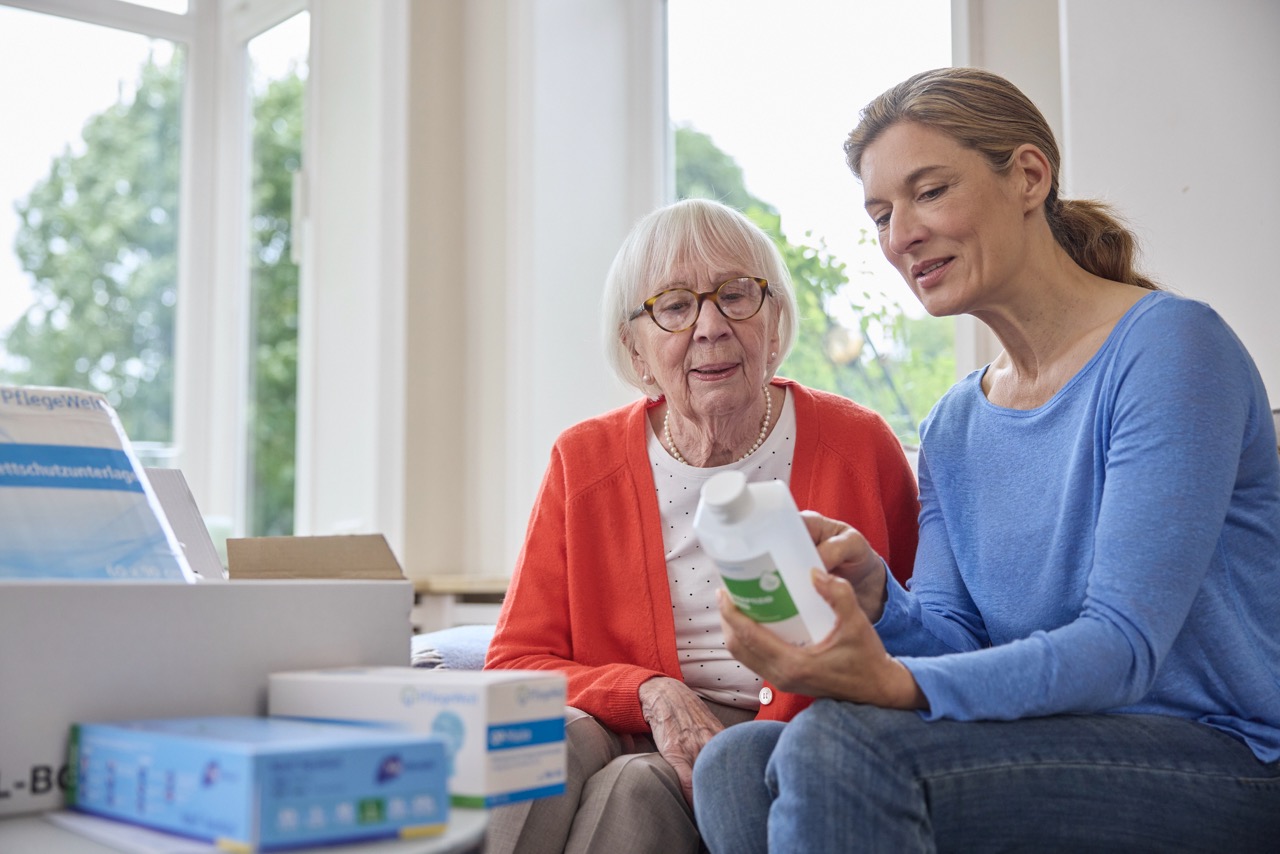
point(1116, 549)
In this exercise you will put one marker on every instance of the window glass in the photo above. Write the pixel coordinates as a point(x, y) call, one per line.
point(89, 181)
point(278, 71)
point(762, 96)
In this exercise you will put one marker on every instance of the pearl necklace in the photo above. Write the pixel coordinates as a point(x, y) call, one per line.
point(764, 431)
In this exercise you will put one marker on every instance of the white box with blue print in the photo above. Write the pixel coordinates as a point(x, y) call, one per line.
point(504, 728)
point(74, 500)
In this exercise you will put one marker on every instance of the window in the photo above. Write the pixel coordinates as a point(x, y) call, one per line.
point(130, 185)
point(278, 71)
point(762, 96)
point(88, 284)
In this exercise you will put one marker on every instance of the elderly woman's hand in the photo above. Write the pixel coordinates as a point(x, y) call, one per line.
point(848, 664)
point(680, 722)
point(847, 554)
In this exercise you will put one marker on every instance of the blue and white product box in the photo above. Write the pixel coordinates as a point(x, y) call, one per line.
point(74, 500)
point(504, 728)
point(261, 784)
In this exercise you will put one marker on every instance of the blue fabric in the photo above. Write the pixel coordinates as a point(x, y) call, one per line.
point(1094, 619)
point(843, 777)
point(1116, 549)
point(456, 648)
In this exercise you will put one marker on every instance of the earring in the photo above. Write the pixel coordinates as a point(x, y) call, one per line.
point(646, 379)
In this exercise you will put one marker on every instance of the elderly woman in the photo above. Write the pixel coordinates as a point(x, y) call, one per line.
point(612, 588)
point(1088, 657)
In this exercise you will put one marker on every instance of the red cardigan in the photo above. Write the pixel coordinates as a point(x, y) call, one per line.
point(589, 595)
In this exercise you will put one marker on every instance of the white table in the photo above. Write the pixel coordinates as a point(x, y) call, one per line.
point(36, 834)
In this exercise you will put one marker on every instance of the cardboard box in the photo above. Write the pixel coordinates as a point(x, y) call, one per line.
point(504, 728)
point(100, 649)
point(105, 650)
point(261, 784)
point(363, 556)
point(72, 651)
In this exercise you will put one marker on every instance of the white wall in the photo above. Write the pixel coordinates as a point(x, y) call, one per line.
point(1167, 109)
point(589, 162)
point(532, 151)
point(1017, 39)
point(1173, 115)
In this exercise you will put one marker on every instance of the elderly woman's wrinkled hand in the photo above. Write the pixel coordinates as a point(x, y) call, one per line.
point(681, 725)
point(848, 664)
point(847, 554)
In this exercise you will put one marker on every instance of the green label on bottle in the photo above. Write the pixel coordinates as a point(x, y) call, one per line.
point(764, 598)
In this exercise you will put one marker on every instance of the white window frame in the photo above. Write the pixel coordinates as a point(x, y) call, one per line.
point(214, 374)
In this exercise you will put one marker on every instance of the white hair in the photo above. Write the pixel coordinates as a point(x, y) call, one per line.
point(693, 231)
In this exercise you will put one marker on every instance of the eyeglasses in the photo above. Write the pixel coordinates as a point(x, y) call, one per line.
point(677, 309)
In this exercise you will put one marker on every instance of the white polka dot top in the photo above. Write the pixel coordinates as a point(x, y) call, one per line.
point(705, 663)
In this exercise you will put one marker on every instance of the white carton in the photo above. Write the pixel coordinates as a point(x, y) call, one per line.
point(504, 728)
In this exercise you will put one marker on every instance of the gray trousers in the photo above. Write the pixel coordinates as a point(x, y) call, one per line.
point(620, 796)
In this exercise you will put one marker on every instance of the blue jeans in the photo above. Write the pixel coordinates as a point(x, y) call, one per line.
point(843, 777)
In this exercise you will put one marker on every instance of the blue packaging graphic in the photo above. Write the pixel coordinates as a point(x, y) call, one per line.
point(261, 784)
point(74, 500)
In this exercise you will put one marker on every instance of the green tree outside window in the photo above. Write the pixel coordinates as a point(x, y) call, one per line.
point(273, 278)
point(98, 236)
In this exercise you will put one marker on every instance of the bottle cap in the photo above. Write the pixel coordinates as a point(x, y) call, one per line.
point(726, 496)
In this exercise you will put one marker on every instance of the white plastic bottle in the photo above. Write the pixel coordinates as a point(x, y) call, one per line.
point(754, 533)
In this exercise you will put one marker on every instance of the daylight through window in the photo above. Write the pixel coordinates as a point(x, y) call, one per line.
point(766, 135)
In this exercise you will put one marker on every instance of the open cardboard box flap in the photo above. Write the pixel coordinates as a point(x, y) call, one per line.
point(360, 556)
